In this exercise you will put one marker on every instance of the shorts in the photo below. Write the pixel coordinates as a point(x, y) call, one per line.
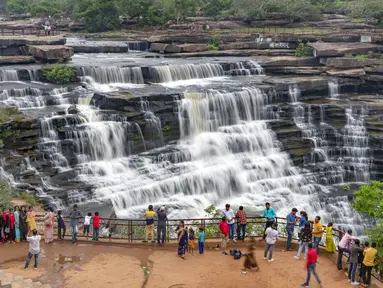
point(86, 228)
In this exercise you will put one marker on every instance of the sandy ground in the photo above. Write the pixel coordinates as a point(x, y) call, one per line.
point(93, 265)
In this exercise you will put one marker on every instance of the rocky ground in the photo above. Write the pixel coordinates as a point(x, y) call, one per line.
point(89, 265)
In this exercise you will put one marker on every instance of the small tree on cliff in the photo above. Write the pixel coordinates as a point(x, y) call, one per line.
point(369, 201)
point(97, 15)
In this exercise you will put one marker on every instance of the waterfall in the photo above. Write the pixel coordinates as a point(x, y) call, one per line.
point(256, 68)
point(333, 88)
point(171, 73)
point(9, 75)
point(113, 74)
point(153, 128)
point(294, 93)
point(355, 152)
point(23, 98)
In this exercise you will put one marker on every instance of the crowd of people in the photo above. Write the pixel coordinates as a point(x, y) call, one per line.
point(19, 224)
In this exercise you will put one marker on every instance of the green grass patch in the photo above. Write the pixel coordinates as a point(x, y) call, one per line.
point(357, 56)
point(10, 113)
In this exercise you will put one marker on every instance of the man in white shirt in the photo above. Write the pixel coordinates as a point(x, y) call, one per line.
point(34, 247)
point(271, 238)
point(229, 214)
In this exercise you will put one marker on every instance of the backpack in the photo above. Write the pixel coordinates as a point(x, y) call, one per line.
point(237, 254)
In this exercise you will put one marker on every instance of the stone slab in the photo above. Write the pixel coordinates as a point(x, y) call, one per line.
point(51, 53)
point(341, 49)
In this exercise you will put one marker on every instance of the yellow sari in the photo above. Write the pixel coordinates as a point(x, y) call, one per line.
point(330, 246)
point(31, 220)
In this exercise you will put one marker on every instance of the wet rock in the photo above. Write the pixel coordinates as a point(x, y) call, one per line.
point(51, 53)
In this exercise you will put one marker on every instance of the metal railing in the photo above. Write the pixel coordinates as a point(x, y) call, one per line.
point(18, 31)
point(133, 231)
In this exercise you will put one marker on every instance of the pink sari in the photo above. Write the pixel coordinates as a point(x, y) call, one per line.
point(48, 230)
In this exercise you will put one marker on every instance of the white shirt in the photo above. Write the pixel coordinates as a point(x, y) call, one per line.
point(271, 236)
point(229, 215)
point(34, 244)
point(87, 220)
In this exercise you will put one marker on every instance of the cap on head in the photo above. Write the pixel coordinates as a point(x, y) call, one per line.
point(162, 208)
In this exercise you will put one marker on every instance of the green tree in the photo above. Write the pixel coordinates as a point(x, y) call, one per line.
point(97, 15)
point(6, 194)
point(216, 7)
point(17, 6)
point(368, 9)
point(44, 8)
point(369, 201)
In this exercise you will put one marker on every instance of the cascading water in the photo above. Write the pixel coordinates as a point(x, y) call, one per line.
point(355, 152)
point(22, 98)
point(9, 75)
point(171, 73)
point(108, 75)
point(333, 88)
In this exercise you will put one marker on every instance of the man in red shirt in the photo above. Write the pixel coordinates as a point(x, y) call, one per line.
point(96, 226)
point(310, 266)
point(224, 227)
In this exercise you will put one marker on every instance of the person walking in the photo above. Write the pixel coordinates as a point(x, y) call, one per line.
point(355, 249)
point(229, 214)
point(312, 257)
point(318, 232)
point(61, 226)
point(270, 215)
point(75, 216)
point(344, 246)
point(271, 238)
point(224, 228)
point(34, 247)
point(182, 237)
point(305, 237)
point(242, 219)
point(23, 224)
point(96, 226)
point(161, 227)
point(368, 263)
point(291, 220)
point(149, 214)
point(330, 246)
point(49, 220)
point(16, 214)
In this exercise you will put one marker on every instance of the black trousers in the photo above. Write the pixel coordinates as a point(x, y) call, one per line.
point(63, 229)
point(366, 270)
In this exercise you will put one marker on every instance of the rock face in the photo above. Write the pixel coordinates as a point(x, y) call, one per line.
point(6, 60)
point(341, 49)
point(52, 53)
point(193, 48)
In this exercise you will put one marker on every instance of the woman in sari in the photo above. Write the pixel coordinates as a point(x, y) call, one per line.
point(23, 224)
point(330, 246)
point(182, 239)
point(31, 219)
point(16, 214)
point(49, 220)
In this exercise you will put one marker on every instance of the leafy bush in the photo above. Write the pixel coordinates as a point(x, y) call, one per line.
point(29, 198)
point(303, 50)
point(10, 113)
point(59, 74)
point(368, 201)
point(216, 40)
point(212, 48)
point(346, 187)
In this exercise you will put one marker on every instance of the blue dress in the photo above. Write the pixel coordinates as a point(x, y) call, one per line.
point(16, 214)
point(183, 243)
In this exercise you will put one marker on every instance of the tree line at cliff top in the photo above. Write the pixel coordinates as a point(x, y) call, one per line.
point(103, 15)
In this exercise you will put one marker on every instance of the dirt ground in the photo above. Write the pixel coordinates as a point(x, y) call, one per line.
point(109, 265)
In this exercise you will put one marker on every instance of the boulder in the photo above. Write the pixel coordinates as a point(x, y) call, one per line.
point(157, 47)
point(337, 49)
point(193, 48)
point(290, 62)
point(172, 49)
point(51, 53)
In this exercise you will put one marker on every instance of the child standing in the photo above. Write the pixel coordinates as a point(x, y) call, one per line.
point(330, 246)
point(191, 243)
point(61, 226)
point(96, 226)
point(201, 240)
point(87, 224)
point(34, 247)
point(224, 227)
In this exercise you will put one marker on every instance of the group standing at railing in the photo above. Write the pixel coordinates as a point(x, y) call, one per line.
point(17, 223)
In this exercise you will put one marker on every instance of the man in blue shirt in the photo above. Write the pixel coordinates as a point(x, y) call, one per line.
point(290, 224)
point(270, 215)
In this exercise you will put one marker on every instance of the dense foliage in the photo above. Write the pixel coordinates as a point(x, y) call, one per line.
point(6, 194)
point(303, 50)
point(369, 201)
point(100, 15)
point(59, 74)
